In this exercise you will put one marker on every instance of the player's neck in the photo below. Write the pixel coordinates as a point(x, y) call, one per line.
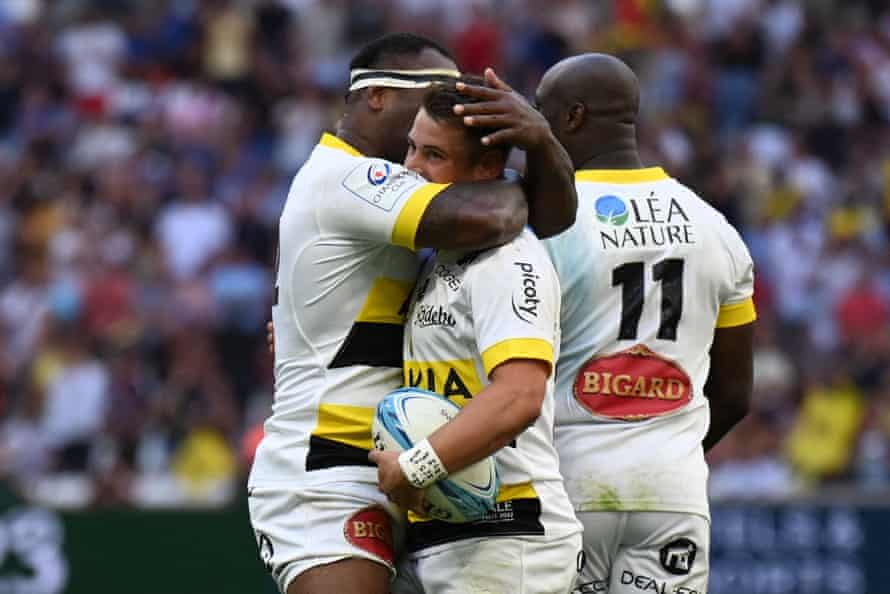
point(627, 158)
point(350, 135)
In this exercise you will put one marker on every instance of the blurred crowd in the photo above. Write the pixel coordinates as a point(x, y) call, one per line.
point(146, 149)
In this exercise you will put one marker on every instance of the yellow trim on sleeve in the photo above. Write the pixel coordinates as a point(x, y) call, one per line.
point(737, 314)
point(331, 141)
point(517, 348)
point(621, 176)
point(405, 229)
point(345, 424)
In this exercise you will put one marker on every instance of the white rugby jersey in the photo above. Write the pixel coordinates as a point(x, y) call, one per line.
point(469, 314)
point(345, 270)
point(647, 272)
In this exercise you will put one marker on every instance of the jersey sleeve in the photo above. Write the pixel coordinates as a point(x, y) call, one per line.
point(736, 298)
point(515, 304)
point(378, 200)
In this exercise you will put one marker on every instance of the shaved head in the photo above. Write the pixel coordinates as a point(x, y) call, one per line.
point(591, 102)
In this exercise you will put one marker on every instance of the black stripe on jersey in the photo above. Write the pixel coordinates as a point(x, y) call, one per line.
point(326, 453)
point(516, 517)
point(371, 343)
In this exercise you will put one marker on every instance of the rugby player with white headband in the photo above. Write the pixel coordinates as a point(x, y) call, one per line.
point(346, 264)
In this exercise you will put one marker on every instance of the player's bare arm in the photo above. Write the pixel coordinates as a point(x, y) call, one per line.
point(487, 423)
point(549, 180)
point(728, 387)
point(477, 215)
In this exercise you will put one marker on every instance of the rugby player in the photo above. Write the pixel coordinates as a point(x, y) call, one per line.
point(345, 267)
point(482, 330)
point(657, 320)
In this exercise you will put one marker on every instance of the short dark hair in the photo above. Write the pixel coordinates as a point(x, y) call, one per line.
point(439, 104)
point(375, 53)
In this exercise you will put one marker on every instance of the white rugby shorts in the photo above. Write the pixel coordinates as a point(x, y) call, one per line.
point(635, 551)
point(494, 565)
point(298, 529)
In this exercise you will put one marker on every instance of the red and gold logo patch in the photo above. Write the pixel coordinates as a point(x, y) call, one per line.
point(633, 384)
point(371, 530)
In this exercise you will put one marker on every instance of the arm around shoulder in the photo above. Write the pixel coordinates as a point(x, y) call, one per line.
point(473, 216)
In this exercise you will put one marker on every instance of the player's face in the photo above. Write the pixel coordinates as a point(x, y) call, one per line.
point(441, 153)
point(402, 104)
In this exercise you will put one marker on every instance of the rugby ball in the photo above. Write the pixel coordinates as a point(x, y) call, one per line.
point(407, 416)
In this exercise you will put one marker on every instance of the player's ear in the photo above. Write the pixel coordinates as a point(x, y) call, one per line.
point(575, 116)
point(376, 98)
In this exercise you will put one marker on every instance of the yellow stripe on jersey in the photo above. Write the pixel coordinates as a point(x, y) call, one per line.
point(736, 314)
point(345, 424)
point(384, 301)
point(506, 493)
point(331, 141)
point(405, 229)
point(621, 176)
point(519, 491)
point(517, 348)
point(457, 379)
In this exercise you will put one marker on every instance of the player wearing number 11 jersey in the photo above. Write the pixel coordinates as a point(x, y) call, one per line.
point(656, 341)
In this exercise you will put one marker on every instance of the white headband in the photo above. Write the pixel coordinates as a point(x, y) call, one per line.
point(360, 78)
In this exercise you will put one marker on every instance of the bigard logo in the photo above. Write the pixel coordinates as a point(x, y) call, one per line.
point(633, 384)
point(370, 530)
point(611, 210)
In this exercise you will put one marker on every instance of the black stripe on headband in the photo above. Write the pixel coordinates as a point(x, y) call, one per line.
point(402, 76)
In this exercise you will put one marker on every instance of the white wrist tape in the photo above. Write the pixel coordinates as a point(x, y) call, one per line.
point(421, 465)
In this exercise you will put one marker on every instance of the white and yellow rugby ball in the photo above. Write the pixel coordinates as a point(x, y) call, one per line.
point(409, 415)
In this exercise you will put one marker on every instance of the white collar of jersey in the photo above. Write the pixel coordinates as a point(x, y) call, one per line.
point(621, 176)
point(359, 78)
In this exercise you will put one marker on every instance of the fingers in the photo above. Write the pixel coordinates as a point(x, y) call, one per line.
point(495, 81)
point(499, 120)
point(374, 456)
point(485, 93)
point(505, 136)
point(483, 107)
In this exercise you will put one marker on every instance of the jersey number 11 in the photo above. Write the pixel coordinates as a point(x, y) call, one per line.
point(630, 277)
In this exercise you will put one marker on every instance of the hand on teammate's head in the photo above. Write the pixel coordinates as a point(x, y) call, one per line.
point(499, 106)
